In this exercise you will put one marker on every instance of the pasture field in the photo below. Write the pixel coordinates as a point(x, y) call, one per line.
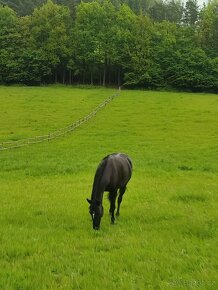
point(166, 235)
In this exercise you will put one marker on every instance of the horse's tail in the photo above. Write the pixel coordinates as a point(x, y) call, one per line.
point(130, 161)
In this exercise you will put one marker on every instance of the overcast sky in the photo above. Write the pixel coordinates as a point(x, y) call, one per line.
point(200, 2)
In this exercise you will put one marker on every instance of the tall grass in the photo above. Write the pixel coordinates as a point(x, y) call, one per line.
point(166, 235)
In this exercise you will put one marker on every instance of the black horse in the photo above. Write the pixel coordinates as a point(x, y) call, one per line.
point(113, 173)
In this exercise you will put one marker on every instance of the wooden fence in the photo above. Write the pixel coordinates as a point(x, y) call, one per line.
point(7, 145)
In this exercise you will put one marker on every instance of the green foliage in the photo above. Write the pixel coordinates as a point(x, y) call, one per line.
point(49, 31)
point(140, 67)
point(23, 7)
point(10, 45)
point(160, 45)
point(166, 235)
point(209, 28)
point(191, 12)
point(193, 70)
point(166, 10)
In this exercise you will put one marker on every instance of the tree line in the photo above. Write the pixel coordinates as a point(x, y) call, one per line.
point(134, 43)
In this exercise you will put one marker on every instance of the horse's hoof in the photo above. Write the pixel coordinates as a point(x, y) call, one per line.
point(96, 228)
point(117, 214)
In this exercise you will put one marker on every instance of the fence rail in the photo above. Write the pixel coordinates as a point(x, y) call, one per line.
point(7, 145)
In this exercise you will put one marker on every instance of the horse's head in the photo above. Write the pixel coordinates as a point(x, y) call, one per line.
point(96, 211)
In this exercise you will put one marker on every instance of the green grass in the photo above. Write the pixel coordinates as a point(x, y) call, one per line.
point(32, 111)
point(166, 236)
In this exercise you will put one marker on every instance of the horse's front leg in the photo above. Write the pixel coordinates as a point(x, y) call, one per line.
point(112, 198)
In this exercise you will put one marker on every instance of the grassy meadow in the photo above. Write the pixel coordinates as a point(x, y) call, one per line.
point(166, 235)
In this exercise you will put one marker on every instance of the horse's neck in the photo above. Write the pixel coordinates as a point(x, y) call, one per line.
point(97, 189)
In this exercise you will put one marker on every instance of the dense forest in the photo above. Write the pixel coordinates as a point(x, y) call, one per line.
point(151, 44)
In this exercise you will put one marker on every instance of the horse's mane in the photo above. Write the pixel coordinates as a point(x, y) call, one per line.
point(98, 174)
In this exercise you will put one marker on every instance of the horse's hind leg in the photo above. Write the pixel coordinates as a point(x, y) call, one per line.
point(121, 193)
point(112, 198)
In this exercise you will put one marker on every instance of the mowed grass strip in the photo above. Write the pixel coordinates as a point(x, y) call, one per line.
point(166, 235)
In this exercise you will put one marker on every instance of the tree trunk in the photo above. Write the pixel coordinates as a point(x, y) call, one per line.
point(100, 78)
point(109, 72)
point(91, 77)
point(104, 73)
point(83, 72)
point(104, 77)
point(63, 76)
point(118, 77)
point(70, 77)
point(83, 81)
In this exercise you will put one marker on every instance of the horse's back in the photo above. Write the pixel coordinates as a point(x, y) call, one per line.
point(118, 170)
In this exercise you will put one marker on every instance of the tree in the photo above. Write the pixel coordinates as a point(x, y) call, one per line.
point(164, 42)
point(124, 41)
point(49, 36)
point(85, 38)
point(171, 10)
point(184, 65)
point(208, 32)
point(94, 36)
point(193, 70)
point(10, 41)
point(140, 70)
point(158, 11)
point(23, 7)
point(174, 11)
point(191, 12)
point(71, 4)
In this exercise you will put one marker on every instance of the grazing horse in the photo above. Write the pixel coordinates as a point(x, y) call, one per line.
point(113, 173)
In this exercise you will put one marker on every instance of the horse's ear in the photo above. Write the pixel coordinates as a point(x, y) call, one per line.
point(89, 201)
